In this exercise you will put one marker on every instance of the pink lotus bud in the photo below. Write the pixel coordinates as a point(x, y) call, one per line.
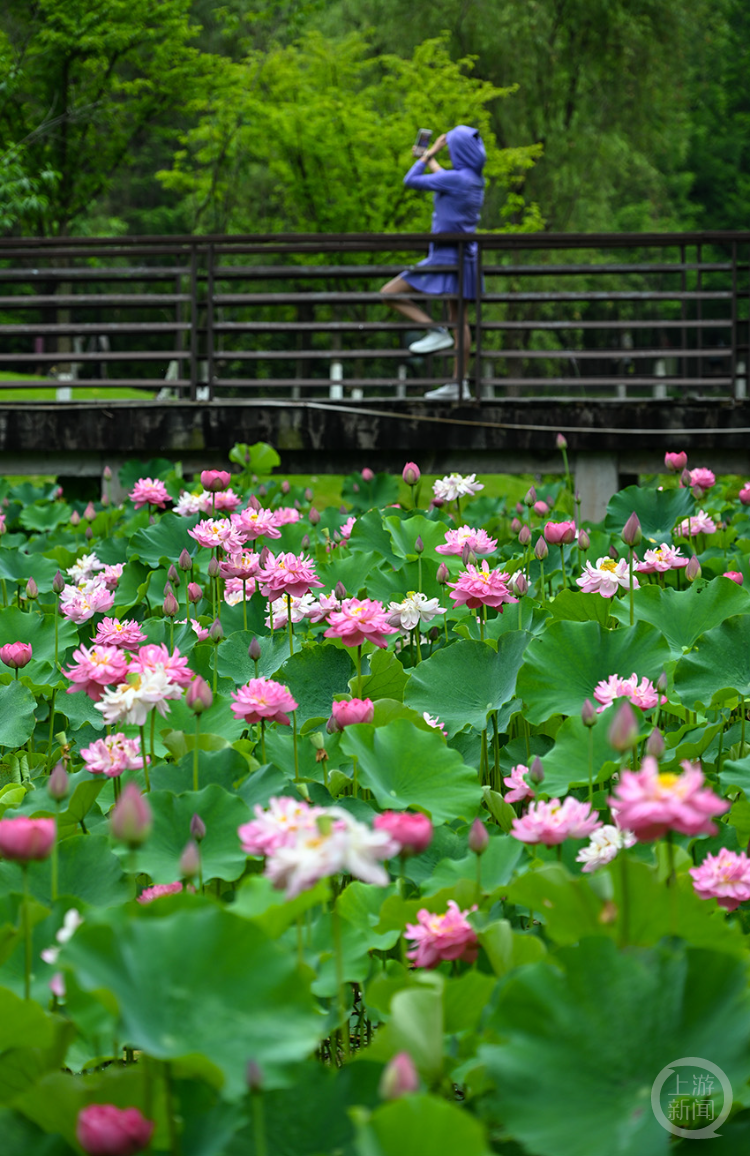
point(478, 837)
point(16, 654)
point(213, 568)
point(89, 513)
point(190, 860)
point(194, 592)
point(23, 840)
point(541, 549)
point(253, 503)
point(662, 682)
point(692, 571)
point(104, 1130)
point(411, 830)
point(197, 828)
point(254, 1077)
point(530, 496)
point(698, 492)
point(216, 631)
point(524, 535)
point(536, 773)
point(560, 533)
point(433, 634)
point(685, 479)
point(561, 442)
point(367, 474)
point(314, 515)
point(676, 462)
point(305, 542)
point(131, 819)
point(399, 1077)
point(262, 492)
point(623, 731)
point(309, 495)
point(588, 713)
point(285, 487)
point(468, 557)
point(75, 518)
point(411, 473)
point(419, 545)
point(734, 576)
point(519, 508)
point(515, 526)
point(58, 583)
point(631, 531)
point(655, 744)
point(215, 480)
point(57, 783)
point(355, 489)
point(107, 474)
point(745, 495)
point(540, 508)
point(185, 562)
point(343, 509)
point(584, 542)
point(105, 502)
point(32, 590)
point(57, 985)
point(353, 710)
point(443, 574)
point(519, 583)
point(199, 696)
point(340, 590)
point(88, 533)
point(170, 605)
point(265, 557)
point(254, 649)
point(173, 575)
point(614, 553)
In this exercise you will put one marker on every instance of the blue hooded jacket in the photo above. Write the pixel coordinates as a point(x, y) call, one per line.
point(459, 192)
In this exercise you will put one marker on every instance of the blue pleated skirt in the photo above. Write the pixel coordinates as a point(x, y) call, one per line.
point(424, 281)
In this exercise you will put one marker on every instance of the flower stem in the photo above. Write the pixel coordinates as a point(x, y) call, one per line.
point(53, 857)
point(289, 623)
point(259, 1124)
point(195, 751)
point(541, 580)
point(151, 750)
point(591, 763)
point(143, 757)
point(562, 563)
point(26, 932)
point(632, 617)
point(244, 603)
point(340, 988)
point(294, 737)
point(625, 901)
point(359, 671)
point(355, 771)
point(419, 644)
point(51, 728)
point(263, 740)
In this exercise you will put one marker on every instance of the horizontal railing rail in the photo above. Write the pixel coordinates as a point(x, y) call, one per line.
point(599, 315)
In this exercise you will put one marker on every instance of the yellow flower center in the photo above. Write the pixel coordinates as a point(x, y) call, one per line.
point(667, 780)
point(608, 564)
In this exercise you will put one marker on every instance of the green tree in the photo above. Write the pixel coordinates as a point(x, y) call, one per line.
point(315, 137)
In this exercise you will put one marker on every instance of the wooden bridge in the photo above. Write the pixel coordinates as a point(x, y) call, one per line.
point(627, 343)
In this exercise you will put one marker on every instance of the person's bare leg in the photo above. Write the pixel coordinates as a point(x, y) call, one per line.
point(406, 308)
point(460, 371)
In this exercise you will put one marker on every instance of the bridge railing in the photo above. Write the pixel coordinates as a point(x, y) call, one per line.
point(560, 315)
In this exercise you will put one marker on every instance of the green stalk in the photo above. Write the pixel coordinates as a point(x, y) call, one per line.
point(152, 751)
point(355, 771)
point(244, 603)
point(53, 857)
point(630, 592)
point(289, 623)
point(26, 932)
point(195, 751)
point(143, 757)
point(625, 901)
point(296, 756)
point(263, 740)
point(340, 988)
point(51, 728)
point(544, 593)
point(562, 563)
point(419, 644)
point(259, 1125)
point(591, 763)
point(359, 671)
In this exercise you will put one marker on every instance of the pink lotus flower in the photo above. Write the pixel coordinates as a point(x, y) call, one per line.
point(212, 533)
point(286, 516)
point(412, 831)
point(104, 1130)
point(480, 586)
point(649, 804)
point(95, 668)
point(23, 840)
point(454, 486)
point(81, 604)
point(131, 701)
point(560, 533)
point(734, 576)
point(703, 478)
point(321, 607)
point(434, 722)
point(112, 755)
point(346, 530)
point(553, 822)
point(606, 577)
point(157, 657)
point(126, 634)
point(456, 541)
point(520, 789)
point(226, 501)
point(149, 492)
point(131, 819)
point(254, 524)
point(745, 495)
point(366, 474)
point(661, 559)
point(605, 845)
point(699, 523)
point(243, 564)
point(84, 568)
point(237, 590)
point(215, 480)
point(287, 574)
point(643, 694)
point(676, 462)
point(262, 699)
point(400, 1077)
point(149, 894)
point(352, 711)
point(411, 473)
point(112, 575)
point(359, 621)
point(725, 877)
point(442, 937)
point(300, 608)
point(16, 655)
point(278, 826)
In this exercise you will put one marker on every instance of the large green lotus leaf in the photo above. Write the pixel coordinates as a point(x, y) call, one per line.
point(405, 767)
point(567, 764)
point(225, 767)
point(201, 981)
point(657, 511)
point(389, 584)
point(354, 569)
point(683, 615)
point(19, 567)
point(359, 914)
point(575, 606)
point(43, 518)
point(736, 773)
point(38, 629)
point(425, 1124)
point(371, 537)
point(259, 900)
point(132, 588)
point(386, 678)
point(463, 682)
point(221, 854)
point(719, 661)
point(17, 706)
point(234, 661)
point(583, 1042)
point(217, 720)
point(263, 784)
point(166, 539)
point(88, 870)
point(563, 665)
point(20, 1137)
point(314, 676)
point(499, 861)
point(404, 533)
point(531, 615)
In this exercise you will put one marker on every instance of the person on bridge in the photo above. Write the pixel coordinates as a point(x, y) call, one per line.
point(458, 196)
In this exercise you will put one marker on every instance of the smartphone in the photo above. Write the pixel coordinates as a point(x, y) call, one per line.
point(422, 143)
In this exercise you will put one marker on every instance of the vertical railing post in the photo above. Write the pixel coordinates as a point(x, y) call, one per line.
point(210, 373)
point(461, 351)
point(699, 305)
point(735, 324)
point(193, 321)
point(478, 337)
point(683, 331)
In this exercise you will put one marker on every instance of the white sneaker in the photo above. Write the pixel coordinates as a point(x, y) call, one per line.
point(436, 339)
point(450, 392)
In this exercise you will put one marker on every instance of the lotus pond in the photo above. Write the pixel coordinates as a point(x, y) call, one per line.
point(416, 823)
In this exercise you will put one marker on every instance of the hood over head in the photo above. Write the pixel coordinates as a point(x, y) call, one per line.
point(466, 148)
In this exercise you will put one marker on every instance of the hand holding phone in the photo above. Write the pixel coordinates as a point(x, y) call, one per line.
point(422, 142)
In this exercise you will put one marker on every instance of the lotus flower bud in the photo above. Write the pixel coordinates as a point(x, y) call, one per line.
point(107, 474)
point(530, 496)
point(614, 553)
point(314, 515)
point(468, 557)
point(541, 549)
point(173, 575)
point(254, 1077)
point(515, 525)
point(631, 531)
point(734, 576)
point(536, 772)
point(655, 744)
point(265, 557)
point(215, 480)
point(540, 508)
point(623, 731)
point(411, 473)
point(588, 713)
point(520, 585)
point(305, 543)
point(262, 492)
point(105, 502)
point(190, 860)
point(16, 655)
point(170, 606)
point(584, 542)
point(355, 489)
point(524, 535)
point(340, 590)
point(104, 1128)
point(197, 828)
point(433, 634)
point(253, 503)
point(662, 682)
point(194, 592)
point(216, 631)
point(213, 568)
point(443, 574)
point(693, 568)
point(399, 1077)
point(419, 545)
point(285, 487)
point(685, 479)
point(88, 533)
point(57, 783)
point(676, 463)
point(185, 562)
point(745, 495)
point(367, 474)
point(199, 696)
point(254, 649)
point(478, 837)
point(75, 518)
point(32, 590)
point(58, 583)
point(519, 508)
point(698, 492)
point(309, 495)
point(131, 818)
point(561, 442)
